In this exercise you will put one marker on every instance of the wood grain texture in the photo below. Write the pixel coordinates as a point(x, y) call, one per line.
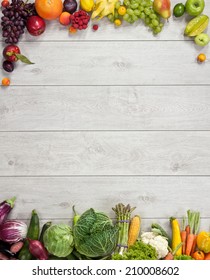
point(105, 108)
point(153, 197)
point(105, 153)
point(112, 63)
point(113, 79)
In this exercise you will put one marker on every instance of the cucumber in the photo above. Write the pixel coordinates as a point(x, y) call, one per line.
point(33, 233)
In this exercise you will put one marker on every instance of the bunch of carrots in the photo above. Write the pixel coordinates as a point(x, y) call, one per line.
point(189, 233)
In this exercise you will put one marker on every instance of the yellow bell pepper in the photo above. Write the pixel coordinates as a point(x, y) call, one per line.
point(203, 241)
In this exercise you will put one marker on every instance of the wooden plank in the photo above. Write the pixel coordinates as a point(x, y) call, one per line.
point(105, 108)
point(105, 153)
point(111, 63)
point(173, 30)
point(153, 197)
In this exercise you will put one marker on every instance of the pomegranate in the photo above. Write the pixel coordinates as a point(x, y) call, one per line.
point(35, 25)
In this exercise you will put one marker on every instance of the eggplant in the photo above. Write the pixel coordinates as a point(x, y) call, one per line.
point(5, 208)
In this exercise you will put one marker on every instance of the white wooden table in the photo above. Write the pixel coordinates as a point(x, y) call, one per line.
point(117, 115)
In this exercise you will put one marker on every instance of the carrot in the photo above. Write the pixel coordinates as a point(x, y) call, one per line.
point(190, 235)
point(184, 239)
point(196, 230)
point(183, 236)
point(194, 223)
point(189, 244)
point(194, 244)
point(187, 229)
point(207, 256)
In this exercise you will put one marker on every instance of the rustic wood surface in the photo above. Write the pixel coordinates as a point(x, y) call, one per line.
point(117, 115)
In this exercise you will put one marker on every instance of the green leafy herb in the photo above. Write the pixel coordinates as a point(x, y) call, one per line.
point(138, 251)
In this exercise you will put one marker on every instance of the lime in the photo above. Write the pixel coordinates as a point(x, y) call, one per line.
point(179, 10)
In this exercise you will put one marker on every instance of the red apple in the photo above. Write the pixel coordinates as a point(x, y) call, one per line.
point(35, 25)
point(10, 51)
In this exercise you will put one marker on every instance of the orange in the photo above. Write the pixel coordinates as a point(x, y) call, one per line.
point(5, 82)
point(49, 9)
point(201, 57)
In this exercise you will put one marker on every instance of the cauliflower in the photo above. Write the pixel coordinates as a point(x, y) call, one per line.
point(159, 242)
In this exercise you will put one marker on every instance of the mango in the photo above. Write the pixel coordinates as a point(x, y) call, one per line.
point(87, 5)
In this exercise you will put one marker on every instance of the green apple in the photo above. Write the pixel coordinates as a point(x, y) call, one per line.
point(202, 39)
point(194, 7)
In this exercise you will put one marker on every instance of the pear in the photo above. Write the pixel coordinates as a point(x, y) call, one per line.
point(163, 8)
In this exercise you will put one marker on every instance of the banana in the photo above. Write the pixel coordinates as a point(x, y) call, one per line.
point(197, 25)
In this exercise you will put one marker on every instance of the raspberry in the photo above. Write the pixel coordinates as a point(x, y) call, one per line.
point(75, 25)
point(95, 27)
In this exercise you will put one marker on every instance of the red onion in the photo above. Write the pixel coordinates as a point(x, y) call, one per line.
point(13, 231)
point(5, 208)
point(37, 249)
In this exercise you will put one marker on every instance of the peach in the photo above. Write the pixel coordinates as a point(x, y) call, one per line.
point(65, 18)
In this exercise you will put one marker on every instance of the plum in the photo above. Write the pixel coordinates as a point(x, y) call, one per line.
point(70, 6)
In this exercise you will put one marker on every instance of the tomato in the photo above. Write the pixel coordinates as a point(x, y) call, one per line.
point(179, 10)
point(198, 255)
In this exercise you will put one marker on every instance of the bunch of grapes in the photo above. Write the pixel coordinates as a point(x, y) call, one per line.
point(139, 9)
point(13, 21)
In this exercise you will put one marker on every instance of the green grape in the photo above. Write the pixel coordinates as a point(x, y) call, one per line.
point(126, 2)
point(157, 29)
point(149, 4)
point(144, 3)
point(126, 17)
point(130, 11)
point(150, 25)
point(110, 17)
point(134, 18)
point(134, 6)
point(141, 9)
point(116, 15)
point(161, 24)
point(133, 2)
point(117, 5)
point(155, 22)
point(137, 12)
point(147, 11)
point(152, 15)
point(147, 20)
point(129, 20)
point(142, 16)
